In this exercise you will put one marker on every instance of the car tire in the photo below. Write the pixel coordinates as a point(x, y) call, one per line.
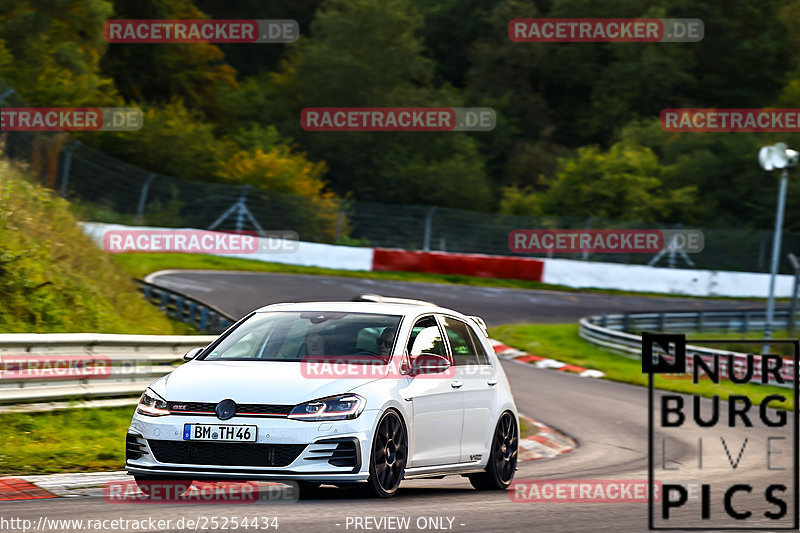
point(147, 483)
point(387, 461)
point(502, 462)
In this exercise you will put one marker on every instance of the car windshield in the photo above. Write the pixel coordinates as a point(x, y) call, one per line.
point(295, 336)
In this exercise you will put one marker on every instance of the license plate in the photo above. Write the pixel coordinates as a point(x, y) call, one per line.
point(219, 433)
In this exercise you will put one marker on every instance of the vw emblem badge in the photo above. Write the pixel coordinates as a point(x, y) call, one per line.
point(226, 409)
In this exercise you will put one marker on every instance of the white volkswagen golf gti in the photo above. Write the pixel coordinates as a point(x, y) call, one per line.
point(347, 393)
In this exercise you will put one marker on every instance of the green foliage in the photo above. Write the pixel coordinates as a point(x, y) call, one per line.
point(50, 51)
point(627, 182)
point(53, 278)
point(230, 113)
point(174, 141)
point(366, 53)
point(194, 73)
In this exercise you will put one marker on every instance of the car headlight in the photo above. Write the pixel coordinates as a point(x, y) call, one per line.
point(342, 407)
point(151, 404)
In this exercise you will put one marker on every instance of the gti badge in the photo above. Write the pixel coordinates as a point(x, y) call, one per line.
point(226, 409)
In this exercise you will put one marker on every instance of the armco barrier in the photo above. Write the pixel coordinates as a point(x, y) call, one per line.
point(177, 306)
point(136, 360)
point(486, 266)
point(611, 332)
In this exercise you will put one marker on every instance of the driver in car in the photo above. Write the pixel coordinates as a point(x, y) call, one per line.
point(385, 342)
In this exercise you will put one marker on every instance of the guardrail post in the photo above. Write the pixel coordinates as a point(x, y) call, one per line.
point(164, 300)
point(745, 322)
point(192, 314)
point(662, 322)
point(203, 318)
point(603, 320)
point(625, 321)
point(700, 318)
point(179, 306)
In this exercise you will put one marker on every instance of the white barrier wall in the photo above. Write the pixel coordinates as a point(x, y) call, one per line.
point(642, 278)
point(568, 272)
point(307, 253)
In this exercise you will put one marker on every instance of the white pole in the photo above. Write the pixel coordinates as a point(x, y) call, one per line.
point(776, 251)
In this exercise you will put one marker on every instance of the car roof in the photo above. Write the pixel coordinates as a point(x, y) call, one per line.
point(385, 308)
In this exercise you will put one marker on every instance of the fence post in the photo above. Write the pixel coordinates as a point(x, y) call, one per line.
point(339, 223)
point(240, 211)
point(585, 252)
point(793, 305)
point(143, 198)
point(65, 170)
point(426, 244)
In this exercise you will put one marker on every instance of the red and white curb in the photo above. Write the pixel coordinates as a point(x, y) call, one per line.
point(519, 356)
point(546, 443)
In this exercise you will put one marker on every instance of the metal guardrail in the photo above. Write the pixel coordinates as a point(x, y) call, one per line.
point(36, 368)
point(177, 306)
point(134, 362)
point(611, 331)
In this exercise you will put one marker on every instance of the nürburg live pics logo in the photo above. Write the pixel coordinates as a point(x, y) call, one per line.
point(725, 450)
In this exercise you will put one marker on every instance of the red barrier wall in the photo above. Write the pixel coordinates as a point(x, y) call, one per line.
point(484, 266)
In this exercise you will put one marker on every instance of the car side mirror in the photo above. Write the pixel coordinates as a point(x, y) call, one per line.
point(191, 354)
point(429, 363)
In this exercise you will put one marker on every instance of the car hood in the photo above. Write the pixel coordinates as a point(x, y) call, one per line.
point(274, 382)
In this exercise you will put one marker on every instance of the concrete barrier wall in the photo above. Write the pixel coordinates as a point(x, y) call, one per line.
point(307, 253)
point(568, 272)
point(641, 278)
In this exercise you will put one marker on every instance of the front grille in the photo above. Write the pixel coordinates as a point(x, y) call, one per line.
point(225, 453)
point(343, 452)
point(208, 408)
point(133, 447)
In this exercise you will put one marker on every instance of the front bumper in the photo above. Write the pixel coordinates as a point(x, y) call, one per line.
point(336, 451)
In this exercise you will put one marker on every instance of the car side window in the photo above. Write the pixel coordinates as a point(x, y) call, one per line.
point(463, 343)
point(426, 337)
point(483, 357)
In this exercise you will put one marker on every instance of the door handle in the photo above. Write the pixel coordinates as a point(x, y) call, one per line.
point(492, 382)
point(456, 384)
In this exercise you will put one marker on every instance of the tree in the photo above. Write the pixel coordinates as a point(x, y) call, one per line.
point(367, 54)
point(627, 182)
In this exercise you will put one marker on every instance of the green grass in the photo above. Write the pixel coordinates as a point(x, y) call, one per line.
point(562, 342)
point(781, 349)
point(70, 440)
point(54, 279)
point(140, 265)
